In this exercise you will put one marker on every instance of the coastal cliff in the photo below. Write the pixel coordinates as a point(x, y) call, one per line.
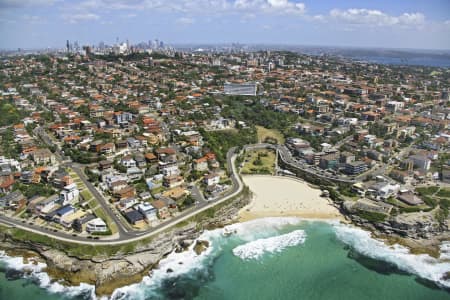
point(108, 272)
point(419, 231)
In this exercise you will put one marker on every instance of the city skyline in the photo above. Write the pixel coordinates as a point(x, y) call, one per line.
point(49, 23)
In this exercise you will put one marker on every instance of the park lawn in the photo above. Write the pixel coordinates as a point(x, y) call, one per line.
point(267, 159)
point(264, 133)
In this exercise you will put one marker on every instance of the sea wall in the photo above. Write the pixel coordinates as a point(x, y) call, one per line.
point(108, 272)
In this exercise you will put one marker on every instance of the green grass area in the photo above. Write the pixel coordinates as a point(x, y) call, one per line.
point(259, 162)
point(397, 203)
point(371, 216)
point(86, 194)
point(73, 249)
point(427, 191)
point(443, 193)
point(269, 135)
point(411, 209)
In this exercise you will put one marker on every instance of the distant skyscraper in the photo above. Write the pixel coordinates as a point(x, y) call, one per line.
point(68, 46)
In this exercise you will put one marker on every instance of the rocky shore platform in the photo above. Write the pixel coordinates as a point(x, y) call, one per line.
point(109, 272)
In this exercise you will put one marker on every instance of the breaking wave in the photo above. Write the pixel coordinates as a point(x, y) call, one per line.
point(256, 249)
point(188, 263)
point(35, 270)
point(421, 265)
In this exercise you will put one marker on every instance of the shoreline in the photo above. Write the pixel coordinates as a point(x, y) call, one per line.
point(298, 199)
point(278, 196)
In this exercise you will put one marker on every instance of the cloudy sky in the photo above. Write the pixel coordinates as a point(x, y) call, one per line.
point(423, 24)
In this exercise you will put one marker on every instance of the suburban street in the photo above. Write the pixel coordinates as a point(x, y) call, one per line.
point(125, 236)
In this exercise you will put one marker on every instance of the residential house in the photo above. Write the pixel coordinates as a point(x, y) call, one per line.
point(162, 208)
point(383, 190)
point(117, 185)
point(149, 211)
point(168, 168)
point(15, 200)
point(43, 156)
point(445, 175)
point(105, 165)
point(128, 161)
point(133, 143)
point(68, 219)
point(6, 182)
point(399, 175)
point(422, 162)
point(211, 179)
point(125, 192)
point(173, 181)
point(373, 154)
point(200, 164)
point(57, 214)
point(134, 173)
point(134, 217)
point(126, 203)
point(107, 148)
point(329, 161)
point(70, 194)
point(140, 161)
point(80, 225)
point(96, 225)
point(355, 167)
point(47, 205)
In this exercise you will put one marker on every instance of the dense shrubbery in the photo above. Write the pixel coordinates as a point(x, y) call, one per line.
point(257, 114)
point(220, 142)
point(371, 216)
point(427, 191)
point(35, 189)
point(8, 147)
point(10, 114)
point(444, 193)
point(82, 156)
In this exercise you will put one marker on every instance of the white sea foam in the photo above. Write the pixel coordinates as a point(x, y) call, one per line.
point(445, 251)
point(259, 228)
point(35, 269)
point(256, 249)
point(247, 231)
point(421, 265)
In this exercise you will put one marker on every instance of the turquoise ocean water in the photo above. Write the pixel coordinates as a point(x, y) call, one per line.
point(274, 258)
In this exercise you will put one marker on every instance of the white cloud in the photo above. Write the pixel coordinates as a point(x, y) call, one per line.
point(23, 3)
point(129, 16)
point(185, 21)
point(34, 19)
point(285, 6)
point(370, 17)
point(76, 18)
point(194, 6)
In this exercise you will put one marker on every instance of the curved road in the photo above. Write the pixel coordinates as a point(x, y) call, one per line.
point(286, 157)
point(125, 236)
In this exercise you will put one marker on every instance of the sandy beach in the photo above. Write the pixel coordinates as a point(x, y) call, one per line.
point(283, 196)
